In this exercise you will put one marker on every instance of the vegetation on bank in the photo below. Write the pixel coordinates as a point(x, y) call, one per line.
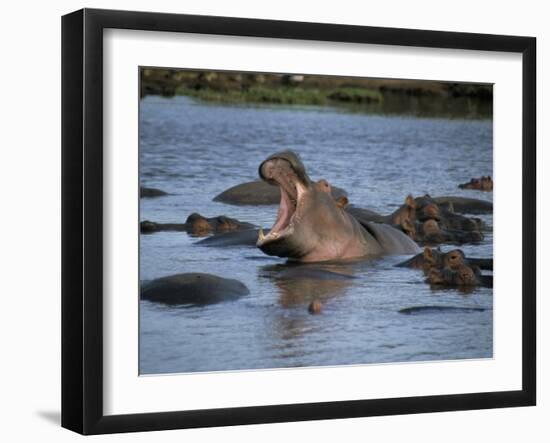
point(386, 95)
point(284, 95)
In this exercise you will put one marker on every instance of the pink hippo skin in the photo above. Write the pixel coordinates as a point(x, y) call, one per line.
point(311, 226)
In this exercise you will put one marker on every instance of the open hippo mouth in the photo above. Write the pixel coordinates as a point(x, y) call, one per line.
point(286, 171)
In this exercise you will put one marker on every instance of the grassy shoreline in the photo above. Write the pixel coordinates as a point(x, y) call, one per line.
point(285, 95)
point(363, 94)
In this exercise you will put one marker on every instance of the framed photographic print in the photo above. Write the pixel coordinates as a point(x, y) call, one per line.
point(269, 221)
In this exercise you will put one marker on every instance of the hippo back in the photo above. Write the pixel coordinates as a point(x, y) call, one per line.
point(392, 240)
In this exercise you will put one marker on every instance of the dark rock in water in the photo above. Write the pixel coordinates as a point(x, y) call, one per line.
point(192, 289)
point(151, 192)
point(246, 237)
point(465, 205)
point(259, 193)
point(439, 309)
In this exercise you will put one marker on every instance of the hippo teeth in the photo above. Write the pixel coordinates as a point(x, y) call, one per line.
point(262, 238)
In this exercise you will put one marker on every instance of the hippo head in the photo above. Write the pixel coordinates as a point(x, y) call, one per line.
point(432, 258)
point(427, 208)
point(310, 224)
point(465, 276)
point(430, 227)
point(198, 225)
point(462, 276)
point(454, 259)
point(405, 214)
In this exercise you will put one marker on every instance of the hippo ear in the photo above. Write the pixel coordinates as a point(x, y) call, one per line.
point(342, 202)
point(428, 255)
point(409, 201)
point(324, 185)
point(408, 228)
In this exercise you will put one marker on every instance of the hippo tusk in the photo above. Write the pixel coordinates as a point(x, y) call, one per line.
point(261, 235)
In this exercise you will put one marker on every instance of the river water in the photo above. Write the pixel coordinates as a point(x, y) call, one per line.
point(195, 150)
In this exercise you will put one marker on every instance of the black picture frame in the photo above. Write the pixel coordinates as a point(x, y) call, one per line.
point(82, 218)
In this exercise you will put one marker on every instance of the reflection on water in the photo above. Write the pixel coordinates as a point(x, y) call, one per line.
point(195, 150)
point(301, 284)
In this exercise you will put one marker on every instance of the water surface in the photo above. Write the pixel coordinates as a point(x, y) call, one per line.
point(195, 150)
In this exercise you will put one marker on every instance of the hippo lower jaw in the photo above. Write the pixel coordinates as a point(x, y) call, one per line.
point(286, 216)
point(273, 236)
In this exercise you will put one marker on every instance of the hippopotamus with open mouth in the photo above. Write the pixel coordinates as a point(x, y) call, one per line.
point(311, 226)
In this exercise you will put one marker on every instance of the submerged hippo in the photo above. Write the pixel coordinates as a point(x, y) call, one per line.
point(244, 237)
point(436, 258)
point(259, 193)
point(484, 183)
point(197, 225)
point(437, 309)
point(427, 208)
point(150, 192)
point(430, 233)
point(406, 212)
point(462, 275)
point(420, 209)
point(192, 289)
point(451, 269)
point(311, 226)
point(465, 205)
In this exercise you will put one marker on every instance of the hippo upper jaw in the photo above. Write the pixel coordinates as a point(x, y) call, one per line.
point(286, 171)
point(291, 160)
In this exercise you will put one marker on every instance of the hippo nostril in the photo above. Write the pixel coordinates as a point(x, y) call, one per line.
point(266, 171)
